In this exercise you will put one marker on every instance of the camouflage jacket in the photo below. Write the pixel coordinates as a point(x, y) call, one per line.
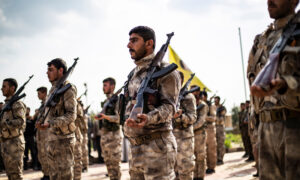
point(183, 124)
point(62, 117)
point(159, 116)
point(288, 68)
point(13, 122)
point(201, 116)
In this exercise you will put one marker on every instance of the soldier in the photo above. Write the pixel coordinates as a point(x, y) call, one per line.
point(220, 130)
point(41, 136)
point(61, 123)
point(242, 128)
point(247, 136)
point(84, 145)
point(1, 159)
point(211, 143)
point(78, 141)
point(111, 136)
point(183, 121)
point(278, 107)
point(200, 137)
point(11, 132)
point(153, 145)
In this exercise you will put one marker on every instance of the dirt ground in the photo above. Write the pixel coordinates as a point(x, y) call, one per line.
point(234, 168)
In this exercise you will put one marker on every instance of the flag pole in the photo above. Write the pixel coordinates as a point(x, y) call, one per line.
point(242, 56)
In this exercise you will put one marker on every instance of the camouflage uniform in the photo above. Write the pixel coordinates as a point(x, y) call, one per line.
point(153, 147)
point(12, 140)
point(200, 140)
point(220, 134)
point(211, 142)
point(243, 123)
point(41, 139)
point(84, 144)
point(279, 113)
point(77, 147)
point(111, 139)
point(184, 134)
point(61, 138)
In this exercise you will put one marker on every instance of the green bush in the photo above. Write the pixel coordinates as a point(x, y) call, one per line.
point(235, 138)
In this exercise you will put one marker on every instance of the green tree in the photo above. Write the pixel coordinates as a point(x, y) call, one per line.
point(235, 115)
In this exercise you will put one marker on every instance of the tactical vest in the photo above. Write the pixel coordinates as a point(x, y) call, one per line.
point(110, 110)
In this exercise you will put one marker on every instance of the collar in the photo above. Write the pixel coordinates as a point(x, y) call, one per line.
point(282, 22)
point(109, 95)
point(144, 62)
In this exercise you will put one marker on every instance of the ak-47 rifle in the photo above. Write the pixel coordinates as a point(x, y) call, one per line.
point(86, 110)
point(268, 73)
point(82, 94)
point(112, 100)
point(15, 98)
point(151, 76)
point(184, 90)
point(59, 90)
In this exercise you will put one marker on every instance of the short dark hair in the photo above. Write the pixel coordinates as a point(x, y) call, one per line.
point(193, 86)
point(204, 93)
point(58, 63)
point(11, 82)
point(111, 81)
point(42, 89)
point(242, 104)
point(218, 97)
point(145, 32)
point(248, 102)
point(1, 102)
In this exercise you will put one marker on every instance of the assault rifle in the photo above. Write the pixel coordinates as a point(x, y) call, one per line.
point(151, 76)
point(15, 98)
point(113, 99)
point(86, 110)
point(183, 91)
point(220, 109)
point(59, 90)
point(268, 73)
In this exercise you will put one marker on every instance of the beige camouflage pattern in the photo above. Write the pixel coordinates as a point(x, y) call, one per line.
point(211, 141)
point(185, 159)
point(84, 144)
point(111, 146)
point(61, 139)
point(220, 135)
point(278, 135)
point(169, 87)
point(200, 141)
point(41, 141)
point(78, 141)
point(156, 159)
point(12, 140)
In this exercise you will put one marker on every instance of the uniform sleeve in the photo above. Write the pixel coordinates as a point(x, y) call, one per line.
point(70, 106)
point(212, 116)
point(19, 115)
point(189, 109)
point(201, 117)
point(168, 87)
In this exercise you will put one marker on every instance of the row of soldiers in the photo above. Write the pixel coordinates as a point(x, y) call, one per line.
point(166, 142)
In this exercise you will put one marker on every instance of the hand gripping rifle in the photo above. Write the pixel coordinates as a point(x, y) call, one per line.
point(268, 73)
point(59, 90)
point(15, 98)
point(113, 99)
point(152, 74)
point(184, 90)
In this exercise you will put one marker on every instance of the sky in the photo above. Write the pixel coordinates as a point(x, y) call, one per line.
point(33, 32)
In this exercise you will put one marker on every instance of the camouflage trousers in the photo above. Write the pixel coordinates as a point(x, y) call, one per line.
point(200, 145)
point(246, 138)
point(12, 151)
point(42, 153)
point(61, 158)
point(254, 143)
point(77, 160)
point(220, 136)
point(211, 146)
point(279, 146)
point(154, 160)
point(111, 148)
point(185, 159)
point(85, 152)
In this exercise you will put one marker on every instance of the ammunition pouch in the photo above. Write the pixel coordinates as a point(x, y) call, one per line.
point(144, 139)
point(178, 124)
point(290, 118)
point(66, 129)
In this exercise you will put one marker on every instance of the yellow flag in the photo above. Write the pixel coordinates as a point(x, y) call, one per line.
point(182, 67)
